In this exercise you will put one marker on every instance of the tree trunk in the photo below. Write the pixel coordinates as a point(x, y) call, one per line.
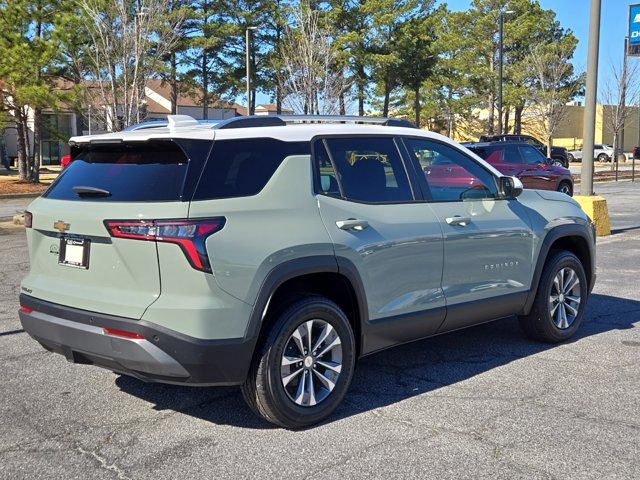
point(507, 114)
point(276, 48)
point(22, 148)
point(616, 139)
point(342, 107)
point(37, 112)
point(492, 96)
point(387, 96)
point(491, 119)
point(517, 121)
point(37, 133)
point(174, 84)
point(416, 105)
point(361, 86)
point(205, 87)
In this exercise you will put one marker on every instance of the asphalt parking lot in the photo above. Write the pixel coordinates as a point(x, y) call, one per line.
point(481, 403)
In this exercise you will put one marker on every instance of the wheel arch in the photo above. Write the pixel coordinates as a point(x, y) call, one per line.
point(316, 275)
point(573, 238)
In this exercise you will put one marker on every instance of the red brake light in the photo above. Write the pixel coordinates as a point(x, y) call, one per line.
point(122, 333)
point(65, 160)
point(190, 235)
point(25, 309)
point(28, 219)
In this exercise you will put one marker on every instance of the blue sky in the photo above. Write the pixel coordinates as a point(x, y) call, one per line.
point(574, 14)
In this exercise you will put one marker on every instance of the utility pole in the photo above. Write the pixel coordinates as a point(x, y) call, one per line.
point(586, 182)
point(248, 65)
point(623, 103)
point(500, 65)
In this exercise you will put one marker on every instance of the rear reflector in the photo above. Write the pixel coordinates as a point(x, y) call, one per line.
point(25, 309)
point(190, 235)
point(121, 333)
point(28, 219)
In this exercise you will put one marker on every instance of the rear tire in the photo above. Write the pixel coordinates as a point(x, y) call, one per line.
point(558, 308)
point(291, 382)
point(603, 157)
point(571, 158)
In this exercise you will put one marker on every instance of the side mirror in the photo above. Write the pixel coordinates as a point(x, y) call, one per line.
point(510, 187)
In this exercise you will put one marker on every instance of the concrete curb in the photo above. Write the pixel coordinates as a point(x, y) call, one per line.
point(9, 196)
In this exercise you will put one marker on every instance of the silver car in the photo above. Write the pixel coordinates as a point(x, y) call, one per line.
point(601, 152)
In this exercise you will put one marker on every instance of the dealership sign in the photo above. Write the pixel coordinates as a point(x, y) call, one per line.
point(634, 24)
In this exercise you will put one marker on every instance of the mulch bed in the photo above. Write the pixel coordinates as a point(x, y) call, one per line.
point(11, 186)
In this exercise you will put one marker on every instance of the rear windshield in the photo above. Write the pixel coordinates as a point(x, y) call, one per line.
point(136, 172)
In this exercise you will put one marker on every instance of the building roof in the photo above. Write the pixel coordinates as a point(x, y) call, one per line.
point(272, 108)
point(190, 98)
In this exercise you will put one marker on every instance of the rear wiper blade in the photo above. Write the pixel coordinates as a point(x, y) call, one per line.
point(82, 191)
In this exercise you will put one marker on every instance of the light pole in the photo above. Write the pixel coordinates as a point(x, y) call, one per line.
point(500, 65)
point(248, 62)
point(586, 175)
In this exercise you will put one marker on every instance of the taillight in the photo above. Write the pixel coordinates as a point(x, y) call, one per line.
point(65, 160)
point(28, 219)
point(190, 235)
point(122, 333)
point(25, 309)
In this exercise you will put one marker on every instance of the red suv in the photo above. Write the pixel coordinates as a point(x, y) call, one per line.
point(521, 160)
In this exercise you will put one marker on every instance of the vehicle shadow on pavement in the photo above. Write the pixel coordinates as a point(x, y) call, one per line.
point(399, 373)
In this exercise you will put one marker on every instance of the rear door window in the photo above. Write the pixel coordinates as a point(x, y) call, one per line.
point(240, 168)
point(126, 172)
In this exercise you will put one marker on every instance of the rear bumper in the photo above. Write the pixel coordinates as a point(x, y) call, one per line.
point(161, 355)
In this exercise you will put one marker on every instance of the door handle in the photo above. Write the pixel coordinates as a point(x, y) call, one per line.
point(352, 224)
point(458, 221)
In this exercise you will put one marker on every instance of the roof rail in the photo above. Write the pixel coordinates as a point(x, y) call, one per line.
point(282, 120)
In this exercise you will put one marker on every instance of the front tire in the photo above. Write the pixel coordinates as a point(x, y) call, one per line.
point(571, 158)
point(603, 157)
point(304, 365)
point(558, 308)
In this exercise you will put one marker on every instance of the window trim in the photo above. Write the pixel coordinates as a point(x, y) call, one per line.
point(422, 181)
point(316, 173)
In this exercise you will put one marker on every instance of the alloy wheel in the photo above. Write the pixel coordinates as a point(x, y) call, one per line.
point(311, 362)
point(564, 301)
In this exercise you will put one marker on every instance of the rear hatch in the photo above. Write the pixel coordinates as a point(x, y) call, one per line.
point(75, 261)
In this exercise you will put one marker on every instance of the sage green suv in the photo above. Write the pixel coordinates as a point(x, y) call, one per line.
point(273, 252)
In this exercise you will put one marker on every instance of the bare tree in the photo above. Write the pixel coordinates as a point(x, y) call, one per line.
point(553, 85)
point(129, 39)
point(622, 88)
point(309, 79)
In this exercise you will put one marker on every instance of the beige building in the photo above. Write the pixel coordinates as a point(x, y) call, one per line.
point(569, 133)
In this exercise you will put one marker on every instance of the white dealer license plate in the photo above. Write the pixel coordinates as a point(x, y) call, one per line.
point(74, 252)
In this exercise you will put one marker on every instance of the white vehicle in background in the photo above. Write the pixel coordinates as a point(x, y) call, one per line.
point(601, 153)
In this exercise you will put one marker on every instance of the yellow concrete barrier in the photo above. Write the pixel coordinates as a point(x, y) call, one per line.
point(596, 208)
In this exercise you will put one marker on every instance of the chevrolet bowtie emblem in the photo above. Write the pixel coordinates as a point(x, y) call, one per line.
point(61, 226)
